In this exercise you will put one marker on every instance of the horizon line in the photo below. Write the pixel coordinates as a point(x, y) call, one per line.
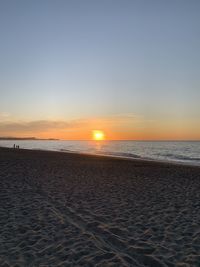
point(58, 139)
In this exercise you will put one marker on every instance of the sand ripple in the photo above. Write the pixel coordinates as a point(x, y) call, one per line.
point(74, 210)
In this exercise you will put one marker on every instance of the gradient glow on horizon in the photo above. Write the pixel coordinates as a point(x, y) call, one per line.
point(129, 68)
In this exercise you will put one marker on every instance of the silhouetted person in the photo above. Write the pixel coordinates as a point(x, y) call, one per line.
point(14, 146)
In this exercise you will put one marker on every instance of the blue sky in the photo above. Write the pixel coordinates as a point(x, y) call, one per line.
point(66, 60)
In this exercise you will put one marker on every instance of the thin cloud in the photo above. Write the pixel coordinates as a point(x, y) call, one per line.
point(77, 128)
point(40, 125)
point(4, 115)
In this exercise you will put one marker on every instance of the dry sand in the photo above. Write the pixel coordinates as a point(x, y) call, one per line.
point(61, 209)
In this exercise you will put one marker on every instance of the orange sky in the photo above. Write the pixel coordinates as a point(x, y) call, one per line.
point(121, 127)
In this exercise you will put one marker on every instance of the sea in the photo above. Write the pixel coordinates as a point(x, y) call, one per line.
point(172, 151)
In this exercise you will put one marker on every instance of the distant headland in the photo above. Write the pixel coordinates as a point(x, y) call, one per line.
point(26, 138)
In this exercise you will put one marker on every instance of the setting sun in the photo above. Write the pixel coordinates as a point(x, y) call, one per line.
point(98, 135)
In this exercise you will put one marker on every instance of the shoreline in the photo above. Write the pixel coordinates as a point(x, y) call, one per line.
point(140, 159)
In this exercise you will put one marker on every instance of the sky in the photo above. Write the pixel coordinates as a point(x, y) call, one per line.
point(130, 68)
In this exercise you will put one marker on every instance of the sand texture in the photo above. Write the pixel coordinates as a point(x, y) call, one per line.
point(61, 209)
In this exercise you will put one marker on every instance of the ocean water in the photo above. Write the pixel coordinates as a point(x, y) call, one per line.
point(184, 151)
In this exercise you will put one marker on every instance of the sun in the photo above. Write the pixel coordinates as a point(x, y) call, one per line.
point(98, 135)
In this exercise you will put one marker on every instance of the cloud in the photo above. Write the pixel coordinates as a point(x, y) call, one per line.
point(113, 126)
point(38, 126)
point(4, 115)
point(44, 125)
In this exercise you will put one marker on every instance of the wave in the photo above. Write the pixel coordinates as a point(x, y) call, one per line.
point(156, 156)
point(104, 153)
point(178, 156)
point(65, 150)
point(120, 154)
point(181, 157)
point(162, 151)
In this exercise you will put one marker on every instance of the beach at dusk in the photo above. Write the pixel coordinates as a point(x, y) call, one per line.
point(67, 209)
point(99, 133)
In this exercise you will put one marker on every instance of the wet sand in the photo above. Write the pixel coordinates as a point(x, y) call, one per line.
point(59, 209)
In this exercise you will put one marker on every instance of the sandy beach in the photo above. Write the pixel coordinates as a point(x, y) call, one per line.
point(60, 209)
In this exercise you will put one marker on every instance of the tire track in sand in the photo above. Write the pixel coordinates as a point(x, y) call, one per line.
point(102, 239)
